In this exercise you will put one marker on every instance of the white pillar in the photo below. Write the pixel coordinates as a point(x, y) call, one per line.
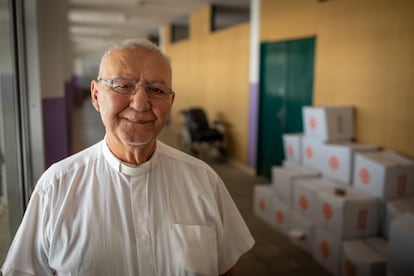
point(254, 41)
point(254, 81)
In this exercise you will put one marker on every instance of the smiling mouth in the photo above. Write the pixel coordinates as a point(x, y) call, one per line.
point(136, 121)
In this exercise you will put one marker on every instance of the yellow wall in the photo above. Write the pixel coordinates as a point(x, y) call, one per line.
point(364, 57)
point(211, 70)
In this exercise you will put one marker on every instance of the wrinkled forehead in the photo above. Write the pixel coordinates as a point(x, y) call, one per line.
point(132, 61)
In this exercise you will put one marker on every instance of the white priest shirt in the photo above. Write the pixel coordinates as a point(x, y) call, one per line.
point(91, 214)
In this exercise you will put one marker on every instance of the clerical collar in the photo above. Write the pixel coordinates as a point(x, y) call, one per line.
point(126, 168)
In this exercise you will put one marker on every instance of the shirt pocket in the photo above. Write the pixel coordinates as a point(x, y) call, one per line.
point(195, 249)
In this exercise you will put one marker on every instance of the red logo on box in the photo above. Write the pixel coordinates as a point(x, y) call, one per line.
point(325, 250)
point(303, 202)
point(309, 152)
point(313, 123)
point(280, 217)
point(350, 269)
point(290, 150)
point(333, 163)
point(362, 219)
point(327, 210)
point(402, 184)
point(262, 204)
point(364, 176)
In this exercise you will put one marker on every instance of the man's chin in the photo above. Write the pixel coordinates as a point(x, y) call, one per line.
point(138, 142)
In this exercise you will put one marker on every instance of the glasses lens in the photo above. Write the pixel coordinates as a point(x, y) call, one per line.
point(123, 86)
point(126, 86)
point(157, 91)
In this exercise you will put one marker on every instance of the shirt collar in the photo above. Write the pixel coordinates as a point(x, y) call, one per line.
point(125, 168)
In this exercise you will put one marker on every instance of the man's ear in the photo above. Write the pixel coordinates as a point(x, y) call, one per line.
point(172, 98)
point(94, 94)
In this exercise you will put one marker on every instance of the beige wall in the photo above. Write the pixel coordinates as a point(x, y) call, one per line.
point(211, 70)
point(364, 57)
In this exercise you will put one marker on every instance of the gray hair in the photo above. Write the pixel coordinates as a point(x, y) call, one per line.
point(135, 43)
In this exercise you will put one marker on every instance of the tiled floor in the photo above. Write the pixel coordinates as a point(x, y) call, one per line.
point(272, 254)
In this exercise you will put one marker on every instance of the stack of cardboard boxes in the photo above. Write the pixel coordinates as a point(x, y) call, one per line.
point(350, 205)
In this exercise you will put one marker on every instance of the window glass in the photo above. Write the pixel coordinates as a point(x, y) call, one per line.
point(227, 16)
point(180, 29)
point(11, 196)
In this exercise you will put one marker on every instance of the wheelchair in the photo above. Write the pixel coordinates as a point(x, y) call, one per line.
point(199, 138)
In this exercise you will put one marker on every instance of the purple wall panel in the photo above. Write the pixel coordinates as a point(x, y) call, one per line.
point(56, 136)
point(77, 90)
point(253, 124)
point(69, 92)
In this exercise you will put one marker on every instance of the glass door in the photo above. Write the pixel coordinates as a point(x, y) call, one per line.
point(14, 171)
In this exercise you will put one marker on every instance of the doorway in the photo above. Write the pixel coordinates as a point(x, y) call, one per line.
point(286, 84)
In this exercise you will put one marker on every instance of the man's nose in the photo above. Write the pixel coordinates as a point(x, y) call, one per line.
point(140, 100)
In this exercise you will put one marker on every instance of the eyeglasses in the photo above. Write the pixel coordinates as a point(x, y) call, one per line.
point(154, 90)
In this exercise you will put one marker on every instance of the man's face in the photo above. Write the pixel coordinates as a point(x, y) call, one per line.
point(132, 120)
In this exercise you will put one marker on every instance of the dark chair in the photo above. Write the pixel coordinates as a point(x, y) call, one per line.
point(200, 130)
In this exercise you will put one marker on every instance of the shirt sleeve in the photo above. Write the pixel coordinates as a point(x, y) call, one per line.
point(236, 239)
point(28, 253)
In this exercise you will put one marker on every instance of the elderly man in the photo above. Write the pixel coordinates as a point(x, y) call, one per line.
point(130, 205)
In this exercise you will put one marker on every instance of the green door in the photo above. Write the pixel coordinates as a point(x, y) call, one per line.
point(286, 84)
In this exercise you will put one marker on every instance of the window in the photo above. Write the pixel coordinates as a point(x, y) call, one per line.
point(154, 37)
point(227, 16)
point(180, 29)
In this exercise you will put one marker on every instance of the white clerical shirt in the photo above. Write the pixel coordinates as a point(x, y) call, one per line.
point(91, 214)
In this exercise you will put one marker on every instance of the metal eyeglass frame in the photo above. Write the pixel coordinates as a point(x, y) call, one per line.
point(137, 84)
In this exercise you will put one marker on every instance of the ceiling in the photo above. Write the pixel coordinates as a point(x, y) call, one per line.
point(94, 24)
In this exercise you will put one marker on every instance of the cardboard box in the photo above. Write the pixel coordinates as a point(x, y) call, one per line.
point(347, 213)
point(384, 174)
point(378, 244)
point(292, 147)
point(338, 160)
point(394, 209)
point(360, 259)
point(401, 246)
point(283, 177)
point(327, 250)
point(261, 199)
point(301, 232)
point(290, 164)
point(406, 175)
point(312, 153)
point(329, 123)
point(279, 215)
point(305, 196)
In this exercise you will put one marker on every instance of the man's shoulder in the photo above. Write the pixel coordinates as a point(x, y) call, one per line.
point(72, 164)
point(182, 158)
point(80, 158)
